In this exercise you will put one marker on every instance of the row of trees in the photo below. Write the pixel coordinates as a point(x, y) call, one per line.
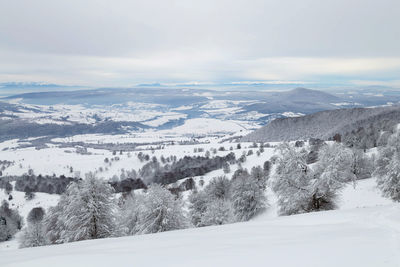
point(58, 184)
point(88, 209)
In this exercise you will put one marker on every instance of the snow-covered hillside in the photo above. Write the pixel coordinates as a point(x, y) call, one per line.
point(325, 124)
point(365, 231)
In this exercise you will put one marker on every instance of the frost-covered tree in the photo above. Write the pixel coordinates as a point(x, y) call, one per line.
point(91, 213)
point(212, 206)
point(382, 161)
point(267, 168)
point(132, 174)
point(149, 170)
point(122, 176)
point(160, 211)
point(129, 215)
point(333, 170)
point(198, 202)
point(226, 168)
point(242, 158)
point(240, 172)
point(8, 188)
point(35, 215)
point(29, 194)
point(301, 189)
point(34, 234)
point(387, 167)
point(363, 165)
point(10, 221)
point(292, 180)
point(389, 182)
point(386, 153)
point(261, 150)
point(53, 221)
point(4, 232)
point(248, 198)
point(259, 176)
point(218, 212)
point(218, 188)
point(86, 211)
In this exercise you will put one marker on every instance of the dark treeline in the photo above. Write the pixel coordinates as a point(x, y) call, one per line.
point(11, 129)
point(151, 172)
point(45, 184)
point(189, 167)
point(127, 185)
point(58, 184)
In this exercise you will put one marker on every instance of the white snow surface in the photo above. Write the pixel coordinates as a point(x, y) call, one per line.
point(203, 126)
point(365, 231)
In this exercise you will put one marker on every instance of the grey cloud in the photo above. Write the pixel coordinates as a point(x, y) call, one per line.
point(241, 28)
point(190, 40)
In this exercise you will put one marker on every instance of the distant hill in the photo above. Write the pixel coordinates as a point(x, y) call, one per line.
point(297, 100)
point(326, 124)
point(303, 94)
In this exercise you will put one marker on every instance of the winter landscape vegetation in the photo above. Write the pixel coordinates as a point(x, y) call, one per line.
point(150, 134)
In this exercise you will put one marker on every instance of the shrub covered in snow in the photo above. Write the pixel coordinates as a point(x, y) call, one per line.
point(248, 198)
point(160, 211)
point(300, 189)
point(34, 234)
point(10, 222)
point(388, 168)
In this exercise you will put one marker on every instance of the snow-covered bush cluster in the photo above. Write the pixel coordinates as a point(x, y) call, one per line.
point(34, 234)
point(156, 211)
point(10, 221)
point(387, 169)
point(223, 201)
point(303, 188)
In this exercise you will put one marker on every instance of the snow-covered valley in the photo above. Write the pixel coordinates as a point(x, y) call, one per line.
point(189, 154)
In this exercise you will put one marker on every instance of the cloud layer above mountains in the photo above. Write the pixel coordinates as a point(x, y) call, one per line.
point(127, 42)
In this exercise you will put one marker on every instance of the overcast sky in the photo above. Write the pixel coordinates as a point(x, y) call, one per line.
point(122, 43)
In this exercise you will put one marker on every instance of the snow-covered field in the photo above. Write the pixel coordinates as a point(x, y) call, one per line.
point(365, 231)
point(58, 160)
point(153, 115)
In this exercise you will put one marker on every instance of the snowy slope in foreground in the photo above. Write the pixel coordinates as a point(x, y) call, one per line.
point(360, 237)
point(353, 236)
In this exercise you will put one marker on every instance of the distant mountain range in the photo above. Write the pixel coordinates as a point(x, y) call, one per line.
point(13, 88)
point(300, 100)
